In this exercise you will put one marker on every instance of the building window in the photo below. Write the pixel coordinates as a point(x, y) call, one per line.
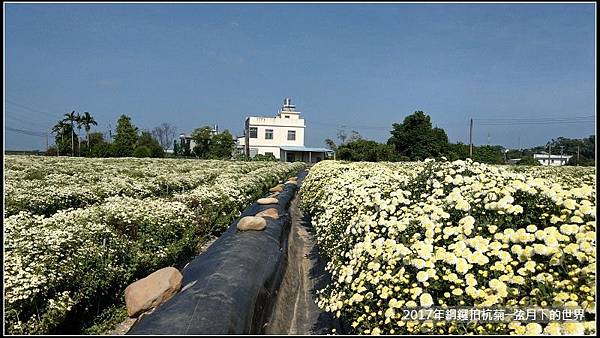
point(291, 135)
point(289, 157)
point(287, 116)
point(253, 132)
point(268, 134)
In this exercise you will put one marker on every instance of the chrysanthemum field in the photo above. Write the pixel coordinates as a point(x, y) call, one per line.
point(77, 231)
point(446, 234)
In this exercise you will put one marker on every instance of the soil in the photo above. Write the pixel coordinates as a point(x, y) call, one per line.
point(295, 311)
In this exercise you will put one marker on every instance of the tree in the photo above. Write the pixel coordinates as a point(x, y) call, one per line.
point(341, 134)
point(71, 118)
point(185, 146)
point(59, 129)
point(165, 134)
point(63, 132)
point(79, 124)
point(331, 144)
point(101, 149)
point(95, 139)
point(175, 148)
point(221, 145)
point(488, 154)
point(366, 150)
point(202, 137)
point(87, 121)
point(125, 138)
point(354, 136)
point(417, 139)
point(141, 151)
point(153, 146)
point(457, 151)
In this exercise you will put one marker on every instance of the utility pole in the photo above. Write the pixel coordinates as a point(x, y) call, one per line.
point(47, 143)
point(549, 152)
point(577, 155)
point(471, 139)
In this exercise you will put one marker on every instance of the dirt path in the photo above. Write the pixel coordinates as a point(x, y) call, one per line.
point(295, 311)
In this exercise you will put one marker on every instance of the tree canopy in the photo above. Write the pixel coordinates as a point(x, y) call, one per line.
point(416, 139)
point(125, 138)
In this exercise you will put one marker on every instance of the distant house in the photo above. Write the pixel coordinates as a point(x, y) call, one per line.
point(282, 136)
point(552, 160)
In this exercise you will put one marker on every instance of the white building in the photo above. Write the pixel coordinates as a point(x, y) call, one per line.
point(282, 136)
point(553, 160)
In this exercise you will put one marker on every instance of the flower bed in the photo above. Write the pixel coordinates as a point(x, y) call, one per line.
point(457, 233)
point(44, 185)
point(62, 269)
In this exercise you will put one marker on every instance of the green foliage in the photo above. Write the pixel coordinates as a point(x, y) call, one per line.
point(147, 140)
point(241, 157)
point(417, 139)
point(457, 151)
point(175, 148)
point(261, 157)
point(202, 137)
point(125, 138)
point(488, 154)
point(185, 149)
point(212, 146)
point(101, 149)
point(141, 151)
point(528, 160)
point(221, 146)
point(107, 320)
point(51, 151)
point(63, 131)
point(366, 150)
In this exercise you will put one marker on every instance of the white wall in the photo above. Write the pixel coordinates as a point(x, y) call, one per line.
point(280, 126)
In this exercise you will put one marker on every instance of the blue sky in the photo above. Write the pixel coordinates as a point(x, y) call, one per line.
point(364, 66)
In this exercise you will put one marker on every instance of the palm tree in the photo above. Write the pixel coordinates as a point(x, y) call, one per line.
point(79, 123)
point(71, 118)
point(59, 129)
point(87, 121)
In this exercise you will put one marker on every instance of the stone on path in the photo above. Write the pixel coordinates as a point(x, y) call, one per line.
point(271, 212)
point(151, 291)
point(278, 188)
point(252, 223)
point(267, 200)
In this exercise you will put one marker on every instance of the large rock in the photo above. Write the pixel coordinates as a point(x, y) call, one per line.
point(271, 212)
point(293, 178)
point(151, 291)
point(278, 188)
point(252, 223)
point(273, 194)
point(292, 182)
point(267, 200)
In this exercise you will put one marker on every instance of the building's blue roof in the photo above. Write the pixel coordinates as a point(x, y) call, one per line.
point(298, 148)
